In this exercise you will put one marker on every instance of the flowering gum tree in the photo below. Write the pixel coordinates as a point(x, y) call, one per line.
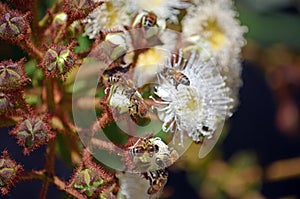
point(127, 85)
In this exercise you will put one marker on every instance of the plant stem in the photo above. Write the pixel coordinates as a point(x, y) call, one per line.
point(49, 167)
point(49, 97)
point(61, 32)
point(34, 24)
point(55, 180)
point(31, 49)
point(62, 186)
point(105, 145)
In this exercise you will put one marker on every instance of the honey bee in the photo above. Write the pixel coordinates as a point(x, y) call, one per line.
point(137, 105)
point(128, 97)
point(149, 20)
point(145, 20)
point(175, 62)
point(144, 145)
point(152, 154)
point(157, 179)
point(177, 76)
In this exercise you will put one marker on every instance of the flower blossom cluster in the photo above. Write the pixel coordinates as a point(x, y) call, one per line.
point(194, 74)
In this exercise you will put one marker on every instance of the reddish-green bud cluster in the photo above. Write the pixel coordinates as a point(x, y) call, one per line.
point(57, 61)
point(9, 172)
point(12, 76)
point(79, 9)
point(32, 132)
point(87, 181)
point(90, 179)
point(12, 26)
point(7, 103)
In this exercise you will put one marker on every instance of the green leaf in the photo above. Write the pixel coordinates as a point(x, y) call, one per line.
point(84, 44)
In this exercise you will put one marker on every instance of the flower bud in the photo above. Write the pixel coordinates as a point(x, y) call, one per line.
point(12, 75)
point(79, 9)
point(58, 60)
point(87, 180)
point(32, 133)
point(12, 24)
point(9, 172)
point(59, 19)
point(6, 103)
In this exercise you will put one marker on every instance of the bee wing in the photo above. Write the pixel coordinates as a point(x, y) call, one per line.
point(209, 143)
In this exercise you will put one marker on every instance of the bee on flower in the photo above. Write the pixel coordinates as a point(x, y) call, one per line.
point(161, 8)
point(151, 154)
point(125, 97)
point(196, 108)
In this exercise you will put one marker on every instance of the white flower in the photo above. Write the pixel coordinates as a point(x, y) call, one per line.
point(215, 22)
point(110, 15)
point(148, 185)
point(198, 108)
point(165, 9)
point(132, 185)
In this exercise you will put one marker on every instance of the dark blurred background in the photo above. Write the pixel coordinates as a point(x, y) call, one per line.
point(258, 154)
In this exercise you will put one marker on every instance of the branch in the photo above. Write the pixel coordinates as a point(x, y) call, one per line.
point(31, 49)
point(62, 186)
point(105, 145)
point(49, 167)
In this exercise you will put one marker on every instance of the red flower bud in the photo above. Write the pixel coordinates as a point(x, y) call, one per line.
point(58, 60)
point(9, 172)
point(13, 25)
point(12, 75)
point(79, 9)
point(32, 132)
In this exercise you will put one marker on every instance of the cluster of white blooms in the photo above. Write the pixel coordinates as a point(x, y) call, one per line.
point(214, 22)
point(197, 71)
point(115, 14)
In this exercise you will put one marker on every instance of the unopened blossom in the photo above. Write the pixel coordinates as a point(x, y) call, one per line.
point(10, 172)
point(196, 108)
point(32, 132)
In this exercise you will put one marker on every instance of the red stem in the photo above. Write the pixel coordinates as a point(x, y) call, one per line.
point(31, 49)
point(49, 167)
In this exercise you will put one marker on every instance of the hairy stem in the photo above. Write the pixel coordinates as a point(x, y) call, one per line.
point(105, 145)
point(61, 32)
point(31, 49)
point(55, 180)
point(62, 186)
point(34, 24)
point(49, 94)
point(49, 167)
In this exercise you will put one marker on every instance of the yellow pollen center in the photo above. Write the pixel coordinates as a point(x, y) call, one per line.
point(150, 59)
point(112, 16)
point(215, 35)
point(146, 4)
point(192, 103)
